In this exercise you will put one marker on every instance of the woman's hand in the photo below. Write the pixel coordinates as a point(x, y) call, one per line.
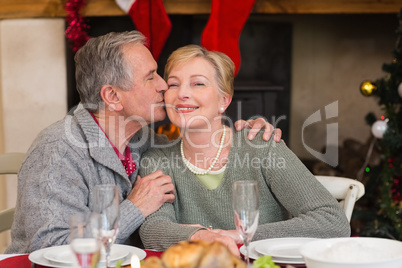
point(231, 233)
point(256, 125)
point(214, 236)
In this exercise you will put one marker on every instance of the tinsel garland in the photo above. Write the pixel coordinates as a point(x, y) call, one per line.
point(76, 31)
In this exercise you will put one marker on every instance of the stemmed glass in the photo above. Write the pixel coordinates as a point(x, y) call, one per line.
point(84, 239)
point(245, 202)
point(106, 203)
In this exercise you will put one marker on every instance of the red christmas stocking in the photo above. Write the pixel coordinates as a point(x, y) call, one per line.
point(151, 19)
point(224, 27)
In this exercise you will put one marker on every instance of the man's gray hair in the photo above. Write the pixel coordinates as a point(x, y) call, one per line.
point(101, 62)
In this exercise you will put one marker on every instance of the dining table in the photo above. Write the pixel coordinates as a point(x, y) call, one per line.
point(22, 261)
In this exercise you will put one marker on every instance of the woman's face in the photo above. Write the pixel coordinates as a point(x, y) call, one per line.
point(192, 99)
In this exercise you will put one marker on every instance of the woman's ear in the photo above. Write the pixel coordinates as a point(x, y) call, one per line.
point(226, 100)
point(111, 97)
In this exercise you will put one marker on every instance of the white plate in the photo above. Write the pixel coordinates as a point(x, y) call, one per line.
point(347, 252)
point(37, 257)
point(64, 254)
point(255, 255)
point(285, 248)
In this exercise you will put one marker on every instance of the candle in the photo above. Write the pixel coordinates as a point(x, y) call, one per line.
point(135, 261)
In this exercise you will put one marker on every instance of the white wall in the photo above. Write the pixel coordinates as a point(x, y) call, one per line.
point(32, 83)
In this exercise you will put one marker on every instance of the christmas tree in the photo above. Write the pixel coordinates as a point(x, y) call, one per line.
point(381, 210)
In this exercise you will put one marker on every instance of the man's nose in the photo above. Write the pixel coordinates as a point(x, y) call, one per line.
point(161, 86)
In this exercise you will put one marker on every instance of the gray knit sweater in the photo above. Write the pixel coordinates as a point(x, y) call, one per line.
point(292, 202)
point(62, 167)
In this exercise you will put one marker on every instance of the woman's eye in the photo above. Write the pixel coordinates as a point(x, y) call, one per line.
point(198, 84)
point(172, 85)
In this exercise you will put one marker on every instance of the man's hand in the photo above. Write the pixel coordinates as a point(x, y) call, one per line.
point(151, 192)
point(256, 125)
point(213, 236)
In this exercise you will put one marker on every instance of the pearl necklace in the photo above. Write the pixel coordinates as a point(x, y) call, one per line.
point(188, 164)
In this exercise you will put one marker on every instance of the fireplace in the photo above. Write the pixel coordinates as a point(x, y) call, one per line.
point(262, 86)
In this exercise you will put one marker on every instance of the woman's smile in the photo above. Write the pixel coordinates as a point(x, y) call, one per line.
point(185, 108)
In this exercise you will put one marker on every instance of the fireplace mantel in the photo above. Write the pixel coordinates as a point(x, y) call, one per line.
point(55, 8)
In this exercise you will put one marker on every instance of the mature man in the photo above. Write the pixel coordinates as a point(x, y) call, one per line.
point(100, 142)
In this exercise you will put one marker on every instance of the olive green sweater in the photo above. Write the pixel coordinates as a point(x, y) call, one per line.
point(292, 202)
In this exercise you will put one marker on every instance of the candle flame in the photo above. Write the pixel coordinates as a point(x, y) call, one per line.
point(135, 261)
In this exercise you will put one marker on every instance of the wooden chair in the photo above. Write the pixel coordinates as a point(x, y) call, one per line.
point(9, 164)
point(346, 191)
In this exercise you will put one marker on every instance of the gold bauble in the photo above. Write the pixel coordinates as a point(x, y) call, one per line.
point(367, 88)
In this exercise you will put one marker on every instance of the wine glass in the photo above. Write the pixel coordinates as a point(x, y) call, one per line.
point(245, 202)
point(106, 203)
point(84, 239)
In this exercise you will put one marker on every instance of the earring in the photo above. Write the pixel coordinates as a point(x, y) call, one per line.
point(222, 109)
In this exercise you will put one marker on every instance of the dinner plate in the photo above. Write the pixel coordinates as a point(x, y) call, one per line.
point(255, 255)
point(285, 248)
point(37, 256)
point(64, 254)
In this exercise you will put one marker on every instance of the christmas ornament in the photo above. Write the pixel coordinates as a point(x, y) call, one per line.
point(400, 90)
point(367, 88)
point(151, 19)
point(379, 127)
point(76, 32)
point(224, 27)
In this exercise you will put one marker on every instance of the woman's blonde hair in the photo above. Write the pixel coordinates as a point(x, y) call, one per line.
point(222, 64)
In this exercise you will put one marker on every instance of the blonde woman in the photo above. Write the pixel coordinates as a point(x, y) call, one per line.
point(211, 156)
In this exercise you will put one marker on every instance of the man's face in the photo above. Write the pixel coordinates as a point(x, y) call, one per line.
point(145, 100)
